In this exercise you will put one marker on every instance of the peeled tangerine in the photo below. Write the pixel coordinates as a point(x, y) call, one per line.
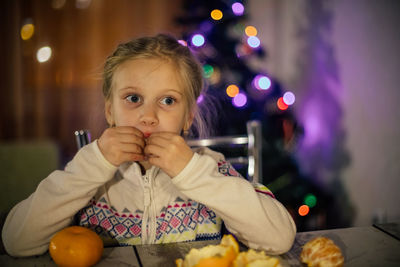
point(321, 252)
point(226, 254)
point(252, 258)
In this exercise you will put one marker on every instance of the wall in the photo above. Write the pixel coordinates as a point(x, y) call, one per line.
point(341, 59)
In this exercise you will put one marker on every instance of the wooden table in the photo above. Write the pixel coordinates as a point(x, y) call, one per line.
point(361, 246)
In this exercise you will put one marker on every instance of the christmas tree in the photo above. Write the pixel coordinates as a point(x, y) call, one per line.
point(218, 34)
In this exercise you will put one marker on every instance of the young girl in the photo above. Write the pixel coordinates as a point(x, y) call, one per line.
point(140, 183)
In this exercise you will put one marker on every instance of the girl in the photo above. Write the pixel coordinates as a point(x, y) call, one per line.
point(140, 183)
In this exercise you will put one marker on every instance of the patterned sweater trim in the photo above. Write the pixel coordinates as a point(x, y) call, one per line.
point(177, 222)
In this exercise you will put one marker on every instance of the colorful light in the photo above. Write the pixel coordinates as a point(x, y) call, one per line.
point(43, 54)
point(200, 99)
point(27, 31)
point(250, 31)
point(304, 210)
point(182, 42)
point(262, 82)
point(216, 14)
point(310, 200)
point(238, 9)
point(232, 90)
point(289, 98)
point(239, 100)
point(253, 41)
point(198, 40)
point(281, 105)
point(208, 70)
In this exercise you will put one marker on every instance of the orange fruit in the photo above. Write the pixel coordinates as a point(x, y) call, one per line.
point(221, 255)
point(321, 251)
point(252, 258)
point(76, 246)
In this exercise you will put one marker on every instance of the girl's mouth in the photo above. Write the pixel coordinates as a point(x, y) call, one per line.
point(146, 135)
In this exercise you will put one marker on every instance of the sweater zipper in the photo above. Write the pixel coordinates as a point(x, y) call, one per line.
point(148, 223)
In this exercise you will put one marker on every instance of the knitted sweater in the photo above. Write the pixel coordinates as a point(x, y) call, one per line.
point(124, 206)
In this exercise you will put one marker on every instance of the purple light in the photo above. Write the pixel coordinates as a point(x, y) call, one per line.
point(261, 82)
point(253, 41)
point(198, 40)
point(238, 9)
point(239, 100)
point(200, 99)
point(289, 98)
point(182, 42)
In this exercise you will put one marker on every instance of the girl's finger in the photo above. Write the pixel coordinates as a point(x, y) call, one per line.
point(131, 139)
point(131, 148)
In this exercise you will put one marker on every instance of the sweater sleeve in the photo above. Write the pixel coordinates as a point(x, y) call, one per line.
point(32, 222)
point(255, 217)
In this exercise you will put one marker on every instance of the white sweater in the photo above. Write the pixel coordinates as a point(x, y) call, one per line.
point(125, 206)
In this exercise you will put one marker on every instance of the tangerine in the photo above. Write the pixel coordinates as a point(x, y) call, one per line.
point(76, 246)
point(221, 255)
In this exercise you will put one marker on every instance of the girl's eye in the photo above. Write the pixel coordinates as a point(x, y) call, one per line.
point(168, 100)
point(133, 98)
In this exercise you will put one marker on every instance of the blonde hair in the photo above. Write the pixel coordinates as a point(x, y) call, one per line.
point(164, 47)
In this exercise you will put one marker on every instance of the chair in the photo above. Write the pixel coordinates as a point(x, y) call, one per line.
point(253, 141)
point(226, 144)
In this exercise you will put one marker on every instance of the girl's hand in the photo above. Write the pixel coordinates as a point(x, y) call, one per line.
point(122, 144)
point(168, 151)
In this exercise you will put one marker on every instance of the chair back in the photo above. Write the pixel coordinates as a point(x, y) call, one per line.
point(252, 157)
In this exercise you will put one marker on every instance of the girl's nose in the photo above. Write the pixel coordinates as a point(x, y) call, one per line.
point(149, 116)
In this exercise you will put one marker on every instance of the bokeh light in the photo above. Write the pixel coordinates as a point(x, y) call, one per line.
point(281, 105)
point(43, 54)
point(253, 41)
point(27, 31)
point(262, 82)
point(182, 42)
point(238, 9)
point(232, 90)
point(310, 200)
point(216, 14)
point(198, 40)
point(250, 31)
point(304, 210)
point(207, 70)
point(239, 100)
point(289, 98)
point(200, 99)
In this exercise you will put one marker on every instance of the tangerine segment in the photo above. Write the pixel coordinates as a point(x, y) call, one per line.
point(76, 246)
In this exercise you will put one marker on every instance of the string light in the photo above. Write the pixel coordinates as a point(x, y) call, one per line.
point(250, 31)
point(200, 99)
point(238, 9)
point(239, 100)
point(27, 31)
point(310, 200)
point(43, 54)
point(198, 40)
point(216, 14)
point(281, 105)
point(304, 210)
point(261, 82)
point(182, 42)
point(289, 98)
point(253, 41)
point(232, 90)
point(207, 70)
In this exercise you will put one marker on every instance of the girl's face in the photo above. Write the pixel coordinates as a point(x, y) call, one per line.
point(147, 95)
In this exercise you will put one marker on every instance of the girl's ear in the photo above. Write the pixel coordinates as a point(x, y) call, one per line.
point(108, 113)
point(189, 121)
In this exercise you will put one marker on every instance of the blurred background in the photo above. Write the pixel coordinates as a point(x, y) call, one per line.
point(321, 76)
